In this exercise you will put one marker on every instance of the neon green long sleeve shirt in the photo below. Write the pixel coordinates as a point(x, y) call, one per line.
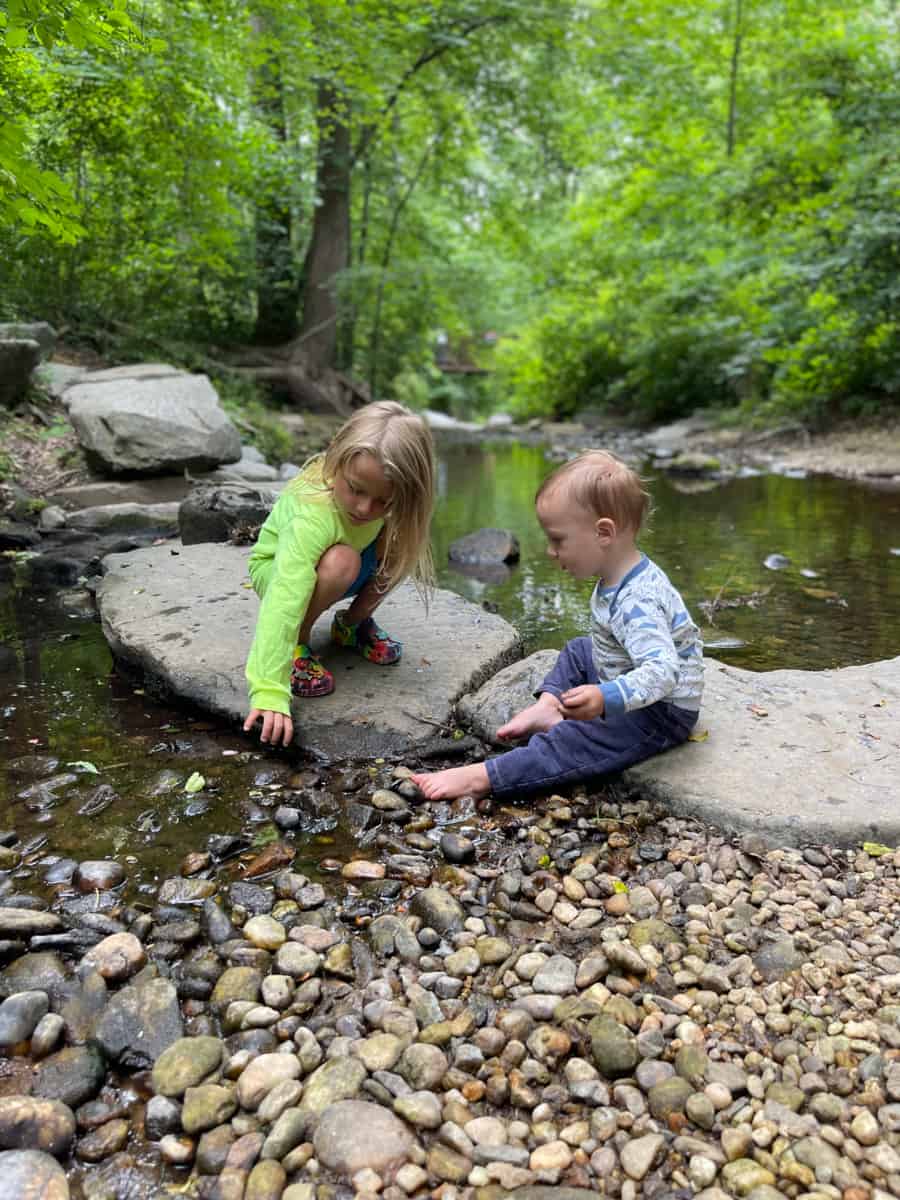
point(304, 523)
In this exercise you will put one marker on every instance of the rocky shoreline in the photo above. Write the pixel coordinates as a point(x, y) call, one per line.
point(579, 995)
point(585, 994)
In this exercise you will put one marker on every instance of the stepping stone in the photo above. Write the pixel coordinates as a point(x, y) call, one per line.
point(794, 756)
point(183, 618)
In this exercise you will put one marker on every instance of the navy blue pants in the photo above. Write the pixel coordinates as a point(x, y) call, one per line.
point(575, 750)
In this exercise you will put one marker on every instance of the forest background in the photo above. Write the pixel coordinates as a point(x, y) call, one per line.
point(636, 206)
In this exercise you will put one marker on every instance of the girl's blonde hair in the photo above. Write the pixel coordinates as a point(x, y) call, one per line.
point(402, 443)
point(601, 483)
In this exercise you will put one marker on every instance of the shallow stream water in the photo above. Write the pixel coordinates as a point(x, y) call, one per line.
point(92, 768)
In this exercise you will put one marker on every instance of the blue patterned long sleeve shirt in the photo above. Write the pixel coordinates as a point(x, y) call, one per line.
point(646, 647)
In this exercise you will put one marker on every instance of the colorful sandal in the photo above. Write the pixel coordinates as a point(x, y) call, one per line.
point(368, 638)
point(308, 677)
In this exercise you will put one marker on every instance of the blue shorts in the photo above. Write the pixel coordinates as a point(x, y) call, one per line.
point(368, 565)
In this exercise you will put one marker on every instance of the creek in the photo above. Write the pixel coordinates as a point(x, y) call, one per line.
point(71, 727)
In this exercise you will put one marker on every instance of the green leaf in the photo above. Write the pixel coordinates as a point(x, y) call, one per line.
point(876, 850)
point(195, 783)
point(87, 767)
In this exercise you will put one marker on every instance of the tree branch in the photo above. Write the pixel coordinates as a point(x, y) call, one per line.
point(427, 56)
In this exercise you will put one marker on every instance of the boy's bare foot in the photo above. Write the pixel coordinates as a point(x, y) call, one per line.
point(455, 782)
point(536, 718)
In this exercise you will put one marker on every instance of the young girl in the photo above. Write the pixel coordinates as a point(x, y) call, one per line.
point(354, 522)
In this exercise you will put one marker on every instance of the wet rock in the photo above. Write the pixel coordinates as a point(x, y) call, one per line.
point(140, 1022)
point(265, 932)
point(236, 983)
point(353, 1135)
point(72, 1075)
point(212, 513)
point(23, 923)
point(638, 1154)
point(42, 971)
point(186, 1063)
point(613, 1047)
point(778, 958)
point(206, 1106)
point(485, 547)
point(162, 1116)
point(47, 1035)
point(335, 1080)
point(103, 1142)
point(31, 1123)
point(117, 957)
point(19, 1016)
point(456, 848)
point(438, 909)
point(98, 876)
point(262, 1075)
point(32, 1175)
point(186, 891)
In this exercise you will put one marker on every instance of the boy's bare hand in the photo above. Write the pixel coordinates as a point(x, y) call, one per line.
point(582, 703)
point(276, 727)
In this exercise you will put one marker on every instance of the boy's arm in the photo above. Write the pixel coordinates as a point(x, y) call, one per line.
point(645, 634)
point(301, 543)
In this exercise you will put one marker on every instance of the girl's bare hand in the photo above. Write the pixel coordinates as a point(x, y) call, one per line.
point(276, 727)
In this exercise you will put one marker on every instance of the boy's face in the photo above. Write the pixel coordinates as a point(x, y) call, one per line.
point(576, 539)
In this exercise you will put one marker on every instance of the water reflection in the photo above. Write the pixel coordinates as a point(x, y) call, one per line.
point(835, 602)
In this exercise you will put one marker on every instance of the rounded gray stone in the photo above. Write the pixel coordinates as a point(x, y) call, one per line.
point(354, 1134)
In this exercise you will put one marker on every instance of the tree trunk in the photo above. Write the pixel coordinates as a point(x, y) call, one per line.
point(731, 131)
point(277, 283)
point(329, 249)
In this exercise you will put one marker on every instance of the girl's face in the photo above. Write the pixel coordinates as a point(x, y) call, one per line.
point(362, 490)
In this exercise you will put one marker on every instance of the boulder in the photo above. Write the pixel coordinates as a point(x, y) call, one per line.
point(30, 331)
point(509, 691)
point(149, 423)
point(185, 622)
point(18, 358)
point(223, 513)
point(32, 1175)
point(485, 547)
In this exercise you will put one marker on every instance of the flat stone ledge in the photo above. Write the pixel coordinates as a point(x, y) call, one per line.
point(820, 766)
point(183, 618)
point(795, 756)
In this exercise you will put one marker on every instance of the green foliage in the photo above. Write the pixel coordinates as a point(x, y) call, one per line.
point(657, 208)
point(257, 421)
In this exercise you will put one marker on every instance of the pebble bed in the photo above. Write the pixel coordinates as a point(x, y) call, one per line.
point(581, 996)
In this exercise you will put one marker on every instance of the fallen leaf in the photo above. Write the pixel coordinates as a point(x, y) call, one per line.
point(699, 737)
point(758, 711)
point(195, 783)
point(875, 849)
point(278, 854)
point(425, 662)
point(820, 593)
point(880, 704)
point(87, 767)
point(619, 886)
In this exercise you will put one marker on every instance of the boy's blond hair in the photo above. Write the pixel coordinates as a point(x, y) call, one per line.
point(603, 485)
point(402, 443)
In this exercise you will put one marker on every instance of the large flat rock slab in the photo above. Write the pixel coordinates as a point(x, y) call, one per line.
point(183, 617)
point(796, 756)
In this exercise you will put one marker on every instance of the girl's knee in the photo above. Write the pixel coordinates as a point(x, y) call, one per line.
point(339, 565)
